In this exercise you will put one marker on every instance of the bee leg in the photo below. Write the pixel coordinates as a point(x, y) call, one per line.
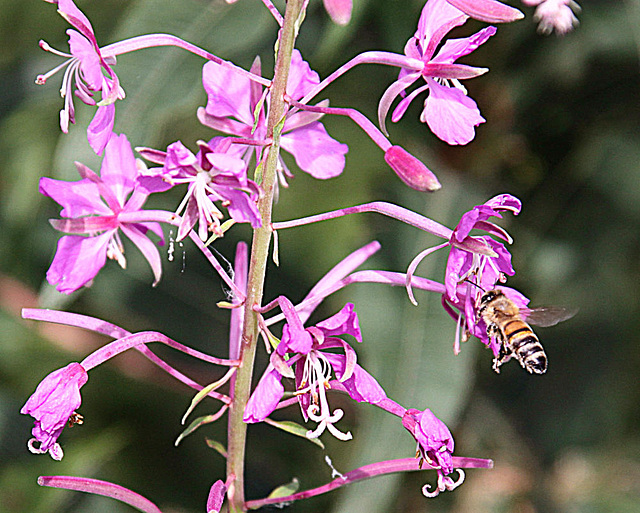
point(503, 357)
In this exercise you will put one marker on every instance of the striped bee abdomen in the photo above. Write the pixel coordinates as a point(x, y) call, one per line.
point(525, 346)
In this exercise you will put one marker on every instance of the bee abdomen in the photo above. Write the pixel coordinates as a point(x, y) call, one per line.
point(526, 347)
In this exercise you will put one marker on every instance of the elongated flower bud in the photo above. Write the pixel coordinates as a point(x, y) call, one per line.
point(489, 11)
point(410, 170)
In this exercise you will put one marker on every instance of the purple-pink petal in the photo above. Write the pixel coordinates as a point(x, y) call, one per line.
point(119, 170)
point(265, 397)
point(148, 249)
point(315, 151)
point(450, 114)
point(228, 93)
point(301, 77)
point(438, 17)
point(345, 322)
point(295, 340)
point(453, 49)
point(90, 64)
point(101, 127)
point(77, 261)
point(361, 386)
point(78, 199)
point(242, 208)
point(505, 202)
point(178, 156)
point(77, 19)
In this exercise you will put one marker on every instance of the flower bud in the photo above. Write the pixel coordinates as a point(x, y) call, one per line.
point(489, 11)
point(339, 10)
point(410, 170)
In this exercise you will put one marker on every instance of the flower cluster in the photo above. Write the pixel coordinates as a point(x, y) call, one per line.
point(233, 178)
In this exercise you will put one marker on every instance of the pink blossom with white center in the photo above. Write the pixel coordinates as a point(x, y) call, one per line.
point(216, 174)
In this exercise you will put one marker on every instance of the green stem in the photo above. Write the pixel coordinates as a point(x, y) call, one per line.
point(237, 429)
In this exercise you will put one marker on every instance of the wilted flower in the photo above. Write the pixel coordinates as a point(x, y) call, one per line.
point(55, 400)
point(435, 446)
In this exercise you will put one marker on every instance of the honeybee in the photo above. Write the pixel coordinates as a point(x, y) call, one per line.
point(506, 322)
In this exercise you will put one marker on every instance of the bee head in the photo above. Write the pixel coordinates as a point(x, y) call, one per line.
point(489, 296)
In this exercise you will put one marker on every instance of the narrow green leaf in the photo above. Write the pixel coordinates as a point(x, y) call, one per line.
point(286, 489)
point(294, 429)
point(216, 446)
point(206, 419)
point(201, 395)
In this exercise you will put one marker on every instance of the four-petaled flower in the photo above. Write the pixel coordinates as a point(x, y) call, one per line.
point(216, 173)
point(449, 112)
point(235, 107)
point(94, 210)
point(306, 349)
point(435, 446)
point(55, 400)
point(469, 274)
point(85, 66)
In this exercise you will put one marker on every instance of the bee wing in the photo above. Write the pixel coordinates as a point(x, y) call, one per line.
point(547, 315)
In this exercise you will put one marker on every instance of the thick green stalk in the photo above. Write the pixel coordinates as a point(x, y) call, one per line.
point(236, 443)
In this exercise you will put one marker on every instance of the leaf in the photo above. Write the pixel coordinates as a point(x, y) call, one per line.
point(202, 394)
point(206, 419)
point(216, 446)
point(294, 429)
point(286, 489)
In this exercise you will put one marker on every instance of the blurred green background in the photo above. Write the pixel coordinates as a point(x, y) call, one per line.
point(561, 134)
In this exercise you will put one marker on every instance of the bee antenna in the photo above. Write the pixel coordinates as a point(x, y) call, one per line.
point(474, 284)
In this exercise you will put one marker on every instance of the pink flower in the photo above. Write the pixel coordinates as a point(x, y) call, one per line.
point(555, 15)
point(306, 349)
point(94, 210)
point(216, 174)
point(233, 100)
point(468, 275)
point(449, 112)
point(435, 446)
point(55, 400)
point(85, 66)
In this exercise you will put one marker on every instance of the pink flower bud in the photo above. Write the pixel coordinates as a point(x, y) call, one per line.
point(339, 10)
point(410, 170)
point(489, 11)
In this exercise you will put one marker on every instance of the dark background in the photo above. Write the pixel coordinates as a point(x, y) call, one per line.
point(561, 134)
